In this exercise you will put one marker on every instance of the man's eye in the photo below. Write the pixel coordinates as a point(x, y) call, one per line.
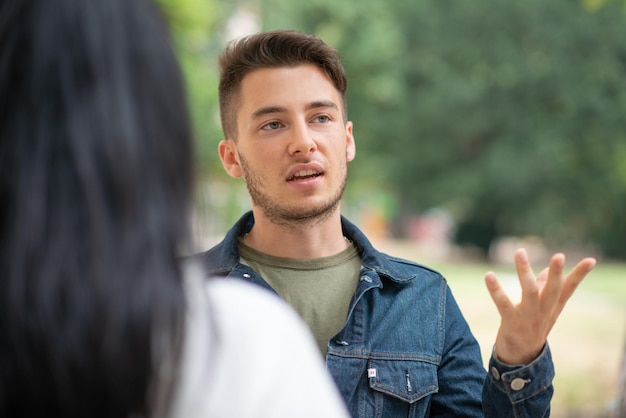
point(322, 119)
point(271, 126)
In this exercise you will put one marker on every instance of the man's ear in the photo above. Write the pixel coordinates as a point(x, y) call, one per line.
point(350, 144)
point(230, 158)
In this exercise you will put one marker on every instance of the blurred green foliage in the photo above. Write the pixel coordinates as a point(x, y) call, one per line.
point(194, 25)
point(511, 116)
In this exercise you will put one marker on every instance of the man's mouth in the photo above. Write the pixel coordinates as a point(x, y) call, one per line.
point(304, 174)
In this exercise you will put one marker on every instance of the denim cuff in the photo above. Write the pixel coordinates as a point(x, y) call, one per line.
point(523, 381)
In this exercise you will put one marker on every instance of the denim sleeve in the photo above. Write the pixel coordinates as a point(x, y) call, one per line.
point(520, 391)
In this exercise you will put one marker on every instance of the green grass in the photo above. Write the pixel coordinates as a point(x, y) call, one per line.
point(608, 280)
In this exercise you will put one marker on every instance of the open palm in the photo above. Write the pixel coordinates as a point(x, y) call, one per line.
point(524, 326)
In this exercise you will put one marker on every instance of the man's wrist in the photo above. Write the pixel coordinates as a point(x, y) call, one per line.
point(522, 381)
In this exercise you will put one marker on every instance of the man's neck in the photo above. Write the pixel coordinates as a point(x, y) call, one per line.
point(313, 240)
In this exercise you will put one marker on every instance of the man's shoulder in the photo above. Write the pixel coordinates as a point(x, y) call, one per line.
point(214, 260)
point(223, 256)
point(404, 270)
point(397, 269)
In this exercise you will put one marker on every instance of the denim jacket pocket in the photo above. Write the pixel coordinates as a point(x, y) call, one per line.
point(407, 381)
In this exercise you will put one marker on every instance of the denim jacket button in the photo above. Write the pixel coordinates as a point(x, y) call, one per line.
point(518, 384)
point(495, 373)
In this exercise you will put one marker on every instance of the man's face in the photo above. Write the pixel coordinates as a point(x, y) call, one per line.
point(293, 146)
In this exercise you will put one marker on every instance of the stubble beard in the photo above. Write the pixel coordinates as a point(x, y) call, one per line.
point(284, 215)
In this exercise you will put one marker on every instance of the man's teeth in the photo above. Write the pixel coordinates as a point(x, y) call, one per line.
point(304, 174)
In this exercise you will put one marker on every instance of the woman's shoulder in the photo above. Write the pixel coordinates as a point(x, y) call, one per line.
point(248, 354)
point(245, 301)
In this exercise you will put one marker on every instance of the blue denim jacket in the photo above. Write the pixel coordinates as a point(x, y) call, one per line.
point(405, 349)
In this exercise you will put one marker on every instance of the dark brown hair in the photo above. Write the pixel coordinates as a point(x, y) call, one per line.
point(282, 48)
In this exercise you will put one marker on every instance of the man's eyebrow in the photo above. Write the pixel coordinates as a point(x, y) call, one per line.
point(259, 113)
point(267, 110)
point(322, 103)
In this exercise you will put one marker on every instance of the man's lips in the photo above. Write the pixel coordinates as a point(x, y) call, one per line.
point(302, 172)
point(304, 175)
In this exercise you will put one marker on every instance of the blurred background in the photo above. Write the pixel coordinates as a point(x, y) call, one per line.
point(481, 126)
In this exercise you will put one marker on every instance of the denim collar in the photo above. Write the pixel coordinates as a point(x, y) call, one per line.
point(224, 257)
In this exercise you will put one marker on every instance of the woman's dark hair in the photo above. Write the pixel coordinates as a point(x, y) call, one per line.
point(95, 183)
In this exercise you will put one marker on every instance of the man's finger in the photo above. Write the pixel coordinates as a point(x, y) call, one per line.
point(575, 277)
point(543, 275)
point(530, 291)
point(554, 284)
point(499, 296)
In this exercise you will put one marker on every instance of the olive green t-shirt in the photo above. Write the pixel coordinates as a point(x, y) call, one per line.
point(320, 289)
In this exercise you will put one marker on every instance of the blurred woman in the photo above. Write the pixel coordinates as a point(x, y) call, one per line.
point(97, 316)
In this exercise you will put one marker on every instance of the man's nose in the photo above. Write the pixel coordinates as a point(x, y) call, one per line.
point(302, 141)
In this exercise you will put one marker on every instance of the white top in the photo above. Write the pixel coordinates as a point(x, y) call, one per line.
point(248, 355)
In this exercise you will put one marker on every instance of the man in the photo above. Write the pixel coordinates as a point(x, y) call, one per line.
point(390, 330)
